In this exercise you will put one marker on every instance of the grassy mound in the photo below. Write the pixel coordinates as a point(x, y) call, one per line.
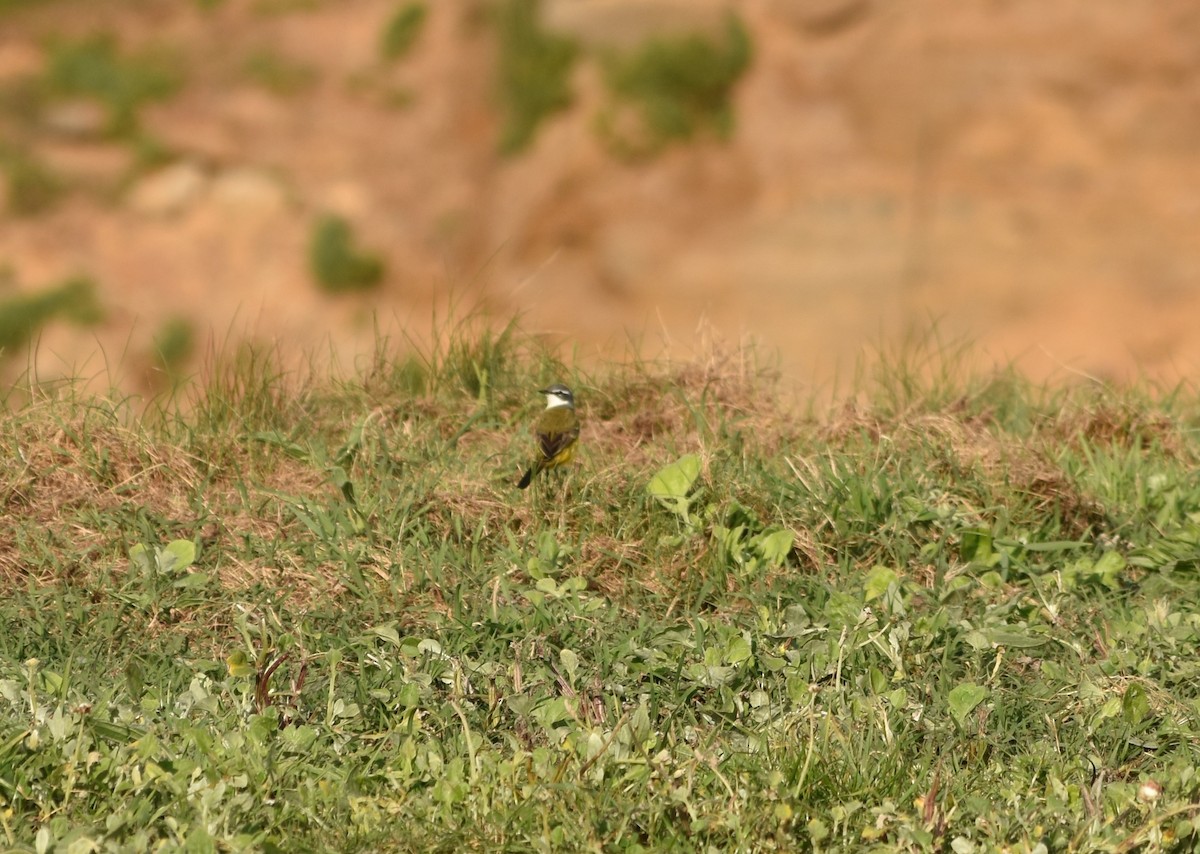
point(315, 614)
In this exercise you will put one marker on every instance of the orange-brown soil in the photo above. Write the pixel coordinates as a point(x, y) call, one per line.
point(1024, 174)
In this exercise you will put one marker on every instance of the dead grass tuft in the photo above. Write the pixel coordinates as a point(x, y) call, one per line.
point(76, 475)
point(1118, 425)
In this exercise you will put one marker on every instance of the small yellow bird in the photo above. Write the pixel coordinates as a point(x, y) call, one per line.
point(557, 431)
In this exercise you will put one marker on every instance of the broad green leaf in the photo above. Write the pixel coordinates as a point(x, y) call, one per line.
point(298, 739)
point(521, 706)
point(431, 646)
point(1134, 705)
point(59, 724)
point(191, 580)
point(991, 580)
point(676, 479)
point(11, 690)
point(386, 632)
point(52, 680)
point(964, 698)
point(1109, 568)
point(976, 545)
point(670, 486)
point(239, 665)
point(772, 663)
point(1110, 709)
point(977, 639)
point(818, 831)
point(737, 650)
point(410, 695)
point(878, 580)
point(547, 546)
point(798, 690)
point(879, 682)
point(711, 676)
point(730, 539)
point(574, 584)
point(178, 555)
point(135, 678)
point(140, 557)
point(639, 723)
point(776, 546)
point(570, 662)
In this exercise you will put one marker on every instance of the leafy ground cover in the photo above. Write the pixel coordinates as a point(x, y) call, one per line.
point(311, 613)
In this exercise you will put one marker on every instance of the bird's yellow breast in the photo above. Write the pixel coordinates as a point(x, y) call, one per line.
point(563, 456)
point(557, 432)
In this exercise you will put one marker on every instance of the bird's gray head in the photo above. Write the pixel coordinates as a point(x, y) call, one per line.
point(558, 395)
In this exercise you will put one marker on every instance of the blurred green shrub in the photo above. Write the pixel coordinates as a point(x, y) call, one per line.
point(6, 5)
point(174, 345)
point(279, 74)
point(285, 7)
point(676, 88)
point(23, 315)
point(402, 31)
point(534, 73)
point(94, 68)
point(336, 263)
point(31, 188)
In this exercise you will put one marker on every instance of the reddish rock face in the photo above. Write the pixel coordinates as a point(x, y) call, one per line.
point(1023, 174)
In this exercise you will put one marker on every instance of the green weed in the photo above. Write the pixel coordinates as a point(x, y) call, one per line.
point(94, 68)
point(8, 5)
point(22, 316)
point(279, 74)
point(31, 188)
point(677, 88)
point(173, 347)
point(402, 31)
point(534, 72)
point(337, 264)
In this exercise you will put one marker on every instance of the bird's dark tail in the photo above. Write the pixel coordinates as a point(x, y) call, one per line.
point(527, 478)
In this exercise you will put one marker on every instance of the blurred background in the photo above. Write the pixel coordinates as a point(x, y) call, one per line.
point(823, 175)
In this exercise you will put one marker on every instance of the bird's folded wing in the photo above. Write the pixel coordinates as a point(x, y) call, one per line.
point(555, 442)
